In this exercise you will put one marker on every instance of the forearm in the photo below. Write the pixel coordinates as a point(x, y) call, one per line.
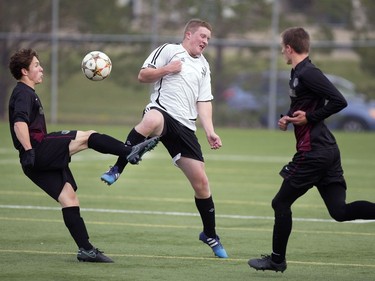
point(22, 133)
point(333, 106)
point(205, 116)
point(150, 75)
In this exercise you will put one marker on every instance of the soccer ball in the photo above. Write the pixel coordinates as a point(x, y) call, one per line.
point(96, 66)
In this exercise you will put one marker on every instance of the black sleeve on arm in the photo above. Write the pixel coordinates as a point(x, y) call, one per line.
point(319, 84)
point(22, 104)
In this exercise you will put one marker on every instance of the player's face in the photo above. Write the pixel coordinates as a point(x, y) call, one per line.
point(198, 41)
point(285, 50)
point(35, 72)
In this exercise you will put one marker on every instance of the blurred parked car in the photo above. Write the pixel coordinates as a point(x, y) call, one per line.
point(250, 92)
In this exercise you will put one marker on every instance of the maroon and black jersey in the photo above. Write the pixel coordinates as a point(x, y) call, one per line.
point(25, 106)
point(312, 92)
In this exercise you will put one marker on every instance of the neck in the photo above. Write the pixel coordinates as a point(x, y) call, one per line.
point(186, 47)
point(298, 58)
point(28, 82)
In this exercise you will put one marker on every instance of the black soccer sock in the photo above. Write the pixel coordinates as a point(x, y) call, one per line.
point(76, 227)
point(107, 145)
point(133, 138)
point(277, 258)
point(281, 232)
point(206, 209)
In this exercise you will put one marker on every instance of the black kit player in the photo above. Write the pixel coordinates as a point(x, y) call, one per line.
point(45, 156)
point(317, 161)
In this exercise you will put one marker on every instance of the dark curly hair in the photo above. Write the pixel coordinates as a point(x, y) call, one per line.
point(21, 59)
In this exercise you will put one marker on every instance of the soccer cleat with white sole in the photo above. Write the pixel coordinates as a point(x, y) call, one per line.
point(215, 245)
point(111, 175)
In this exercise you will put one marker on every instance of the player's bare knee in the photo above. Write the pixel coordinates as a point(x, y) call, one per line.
point(202, 189)
point(89, 133)
point(83, 136)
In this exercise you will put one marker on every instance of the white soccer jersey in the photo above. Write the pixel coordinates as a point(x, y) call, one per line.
point(179, 93)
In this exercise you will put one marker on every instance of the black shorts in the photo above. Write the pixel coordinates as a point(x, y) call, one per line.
point(314, 168)
point(179, 140)
point(51, 169)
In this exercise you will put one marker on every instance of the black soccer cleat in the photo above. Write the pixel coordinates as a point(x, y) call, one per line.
point(93, 255)
point(266, 263)
point(139, 149)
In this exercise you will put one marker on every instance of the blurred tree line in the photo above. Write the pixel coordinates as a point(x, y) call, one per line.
point(146, 23)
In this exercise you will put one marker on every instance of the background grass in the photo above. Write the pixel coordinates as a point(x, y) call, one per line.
point(35, 245)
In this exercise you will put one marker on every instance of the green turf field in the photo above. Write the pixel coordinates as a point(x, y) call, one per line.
point(147, 221)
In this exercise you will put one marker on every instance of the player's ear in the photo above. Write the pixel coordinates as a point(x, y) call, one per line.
point(24, 71)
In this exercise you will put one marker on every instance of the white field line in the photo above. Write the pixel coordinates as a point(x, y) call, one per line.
point(183, 214)
point(235, 260)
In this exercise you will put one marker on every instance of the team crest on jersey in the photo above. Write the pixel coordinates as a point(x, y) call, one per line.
point(204, 71)
point(292, 92)
point(295, 82)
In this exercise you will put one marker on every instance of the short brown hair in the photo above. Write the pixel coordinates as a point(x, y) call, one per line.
point(19, 60)
point(194, 24)
point(297, 38)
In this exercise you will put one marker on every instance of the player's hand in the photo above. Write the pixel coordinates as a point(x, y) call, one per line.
point(283, 123)
point(174, 66)
point(28, 158)
point(214, 141)
point(299, 118)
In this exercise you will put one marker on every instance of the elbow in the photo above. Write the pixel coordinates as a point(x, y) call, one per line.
point(140, 78)
point(344, 104)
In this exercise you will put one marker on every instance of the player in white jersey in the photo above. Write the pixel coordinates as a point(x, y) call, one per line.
point(181, 92)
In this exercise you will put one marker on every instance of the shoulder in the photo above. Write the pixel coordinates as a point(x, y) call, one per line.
point(165, 52)
point(306, 69)
point(20, 88)
point(169, 47)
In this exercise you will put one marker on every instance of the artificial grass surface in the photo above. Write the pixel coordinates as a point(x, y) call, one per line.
point(147, 221)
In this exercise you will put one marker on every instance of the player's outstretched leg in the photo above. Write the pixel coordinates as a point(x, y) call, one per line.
point(140, 149)
point(134, 157)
